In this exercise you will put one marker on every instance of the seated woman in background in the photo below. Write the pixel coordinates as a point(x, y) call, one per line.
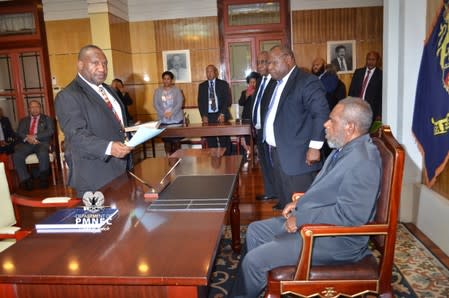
point(246, 100)
point(168, 101)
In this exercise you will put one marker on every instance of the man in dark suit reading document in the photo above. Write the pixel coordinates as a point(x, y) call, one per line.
point(344, 193)
point(92, 118)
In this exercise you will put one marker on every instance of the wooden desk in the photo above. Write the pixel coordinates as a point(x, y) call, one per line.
point(144, 254)
point(210, 130)
point(212, 152)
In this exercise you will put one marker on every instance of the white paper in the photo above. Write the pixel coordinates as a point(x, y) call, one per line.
point(150, 124)
point(142, 135)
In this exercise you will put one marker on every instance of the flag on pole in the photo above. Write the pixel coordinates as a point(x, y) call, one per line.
point(431, 112)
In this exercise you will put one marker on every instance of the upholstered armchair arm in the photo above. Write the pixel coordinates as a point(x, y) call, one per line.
point(309, 231)
point(13, 233)
point(45, 203)
point(24, 201)
point(296, 196)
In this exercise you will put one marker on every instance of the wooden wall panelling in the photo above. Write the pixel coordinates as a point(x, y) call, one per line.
point(142, 37)
point(120, 34)
point(63, 68)
point(67, 36)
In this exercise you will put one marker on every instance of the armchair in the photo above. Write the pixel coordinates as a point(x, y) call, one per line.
point(9, 215)
point(369, 275)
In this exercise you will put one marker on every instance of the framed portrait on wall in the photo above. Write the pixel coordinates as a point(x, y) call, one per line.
point(342, 55)
point(178, 62)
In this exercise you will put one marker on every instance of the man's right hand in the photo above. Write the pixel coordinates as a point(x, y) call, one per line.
point(288, 209)
point(120, 150)
point(205, 120)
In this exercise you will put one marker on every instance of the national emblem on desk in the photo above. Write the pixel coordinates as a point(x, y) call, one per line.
point(93, 202)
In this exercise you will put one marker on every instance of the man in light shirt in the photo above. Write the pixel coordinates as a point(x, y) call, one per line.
point(93, 120)
point(293, 129)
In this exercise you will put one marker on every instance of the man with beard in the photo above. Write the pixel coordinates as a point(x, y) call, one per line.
point(344, 193)
point(335, 88)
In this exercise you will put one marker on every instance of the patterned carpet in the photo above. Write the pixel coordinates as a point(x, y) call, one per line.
point(417, 273)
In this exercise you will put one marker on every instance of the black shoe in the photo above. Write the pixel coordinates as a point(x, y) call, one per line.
point(26, 185)
point(264, 198)
point(278, 207)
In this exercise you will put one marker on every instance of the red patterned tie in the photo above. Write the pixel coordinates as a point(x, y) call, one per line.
point(32, 130)
point(109, 104)
point(364, 84)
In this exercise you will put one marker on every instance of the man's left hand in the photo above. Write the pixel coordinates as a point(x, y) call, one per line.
point(313, 156)
point(221, 118)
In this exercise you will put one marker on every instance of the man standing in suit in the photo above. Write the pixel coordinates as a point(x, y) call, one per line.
point(293, 127)
point(344, 193)
point(342, 61)
point(213, 98)
point(367, 84)
point(35, 133)
point(261, 99)
point(92, 119)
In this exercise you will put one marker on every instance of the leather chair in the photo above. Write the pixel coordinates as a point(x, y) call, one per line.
point(9, 215)
point(369, 275)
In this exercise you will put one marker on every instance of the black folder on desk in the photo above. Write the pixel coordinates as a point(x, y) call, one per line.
point(196, 193)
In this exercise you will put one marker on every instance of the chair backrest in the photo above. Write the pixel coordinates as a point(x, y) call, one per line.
point(7, 217)
point(392, 155)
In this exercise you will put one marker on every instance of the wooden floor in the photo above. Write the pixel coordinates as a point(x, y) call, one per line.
point(250, 208)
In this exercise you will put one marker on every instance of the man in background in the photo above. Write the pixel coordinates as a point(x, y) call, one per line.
point(34, 133)
point(367, 84)
point(7, 135)
point(261, 99)
point(92, 119)
point(293, 127)
point(119, 87)
point(213, 98)
point(335, 88)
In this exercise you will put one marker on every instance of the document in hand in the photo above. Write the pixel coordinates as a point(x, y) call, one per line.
point(142, 135)
point(149, 124)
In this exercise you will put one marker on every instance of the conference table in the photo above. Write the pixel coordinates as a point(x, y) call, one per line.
point(146, 252)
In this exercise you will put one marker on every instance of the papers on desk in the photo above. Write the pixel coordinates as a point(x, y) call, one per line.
point(142, 135)
point(77, 220)
point(149, 124)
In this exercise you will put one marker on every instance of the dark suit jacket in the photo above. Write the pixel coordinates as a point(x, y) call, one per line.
point(344, 193)
point(246, 103)
point(8, 133)
point(7, 129)
point(88, 127)
point(223, 94)
point(265, 100)
point(373, 93)
point(45, 128)
point(300, 116)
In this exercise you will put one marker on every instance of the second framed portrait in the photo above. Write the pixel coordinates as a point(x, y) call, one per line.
point(178, 62)
point(342, 54)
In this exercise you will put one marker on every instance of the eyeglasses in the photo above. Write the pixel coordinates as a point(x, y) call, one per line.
point(262, 61)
